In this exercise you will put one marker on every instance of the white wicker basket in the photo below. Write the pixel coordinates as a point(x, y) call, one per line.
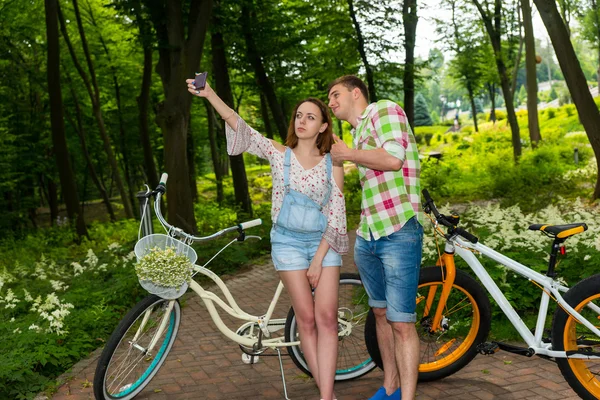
point(143, 247)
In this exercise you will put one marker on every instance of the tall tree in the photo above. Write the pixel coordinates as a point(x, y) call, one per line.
point(465, 37)
point(125, 152)
point(531, 71)
point(61, 151)
point(223, 87)
point(91, 85)
point(179, 57)
point(362, 50)
point(143, 99)
point(247, 22)
point(492, 20)
point(410, 19)
point(574, 77)
point(79, 127)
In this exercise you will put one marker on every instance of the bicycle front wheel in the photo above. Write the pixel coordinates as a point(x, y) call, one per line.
point(353, 358)
point(127, 363)
point(570, 335)
point(466, 321)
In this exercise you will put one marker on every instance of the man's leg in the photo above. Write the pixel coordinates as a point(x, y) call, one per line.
point(400, 254)
point(373, 278)
point(406, 343)
point(385, 340)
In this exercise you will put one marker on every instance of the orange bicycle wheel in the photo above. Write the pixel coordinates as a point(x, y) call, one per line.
point(570, 335)
point(466, 322)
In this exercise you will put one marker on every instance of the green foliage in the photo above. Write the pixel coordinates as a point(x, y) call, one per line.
point(422, 117)
point(479, 166)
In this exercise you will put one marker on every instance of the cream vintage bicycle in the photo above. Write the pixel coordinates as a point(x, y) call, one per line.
point(141, 342)
point(454, 312)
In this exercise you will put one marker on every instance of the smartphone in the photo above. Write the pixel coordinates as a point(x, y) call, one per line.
point(200, 80)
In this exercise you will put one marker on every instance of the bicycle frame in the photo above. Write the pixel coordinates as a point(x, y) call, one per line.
point(549, 286)
point(264, 322)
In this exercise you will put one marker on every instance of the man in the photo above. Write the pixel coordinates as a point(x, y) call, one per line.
point(390, 234)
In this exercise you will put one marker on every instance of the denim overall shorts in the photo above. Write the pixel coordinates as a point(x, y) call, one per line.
point(300, 225)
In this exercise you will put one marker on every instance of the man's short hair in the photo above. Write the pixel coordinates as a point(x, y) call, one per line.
point(350, 82)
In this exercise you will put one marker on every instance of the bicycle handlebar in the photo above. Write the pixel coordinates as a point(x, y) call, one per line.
point(429, 206)
point(162, 188)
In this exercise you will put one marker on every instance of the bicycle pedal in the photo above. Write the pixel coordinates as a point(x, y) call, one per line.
point(488, 348)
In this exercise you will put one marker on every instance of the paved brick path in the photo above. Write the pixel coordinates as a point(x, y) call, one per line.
point(205, 365)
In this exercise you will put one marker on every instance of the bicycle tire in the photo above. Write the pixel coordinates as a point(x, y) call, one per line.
point(120, 356)
point(353, 358)
point(457, 344)
point(567, 334)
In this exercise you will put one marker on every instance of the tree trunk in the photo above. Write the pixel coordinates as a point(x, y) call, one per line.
point(473, 108)
point(143, 100)
point(531, 69)
point(94, 93)
point(363, 53)
point(492, 91)
point(265, 116)
point(191, 156)
point(410, 19)
point(122, 136)
point(574, 77)
point(223, 87)
point(59, 141)
point(264, 83)
point(179, 57)
point(494, 30)
point(79, 128)
point(214, 151)
point(52, 201)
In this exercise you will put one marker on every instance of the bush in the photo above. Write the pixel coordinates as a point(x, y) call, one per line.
point(500, 115)
point(551, 113)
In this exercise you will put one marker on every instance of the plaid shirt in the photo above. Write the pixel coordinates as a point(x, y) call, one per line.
point(389, 198)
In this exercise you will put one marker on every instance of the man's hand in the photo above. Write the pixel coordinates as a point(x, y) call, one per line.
point(340, 151)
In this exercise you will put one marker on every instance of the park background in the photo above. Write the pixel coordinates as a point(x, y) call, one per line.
point(94, 105)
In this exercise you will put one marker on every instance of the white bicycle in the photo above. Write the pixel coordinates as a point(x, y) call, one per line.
point(454, 313)
point(141, 342)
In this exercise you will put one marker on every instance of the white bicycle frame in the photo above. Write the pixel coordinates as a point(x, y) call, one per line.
point(264, 322)
point(463, 248)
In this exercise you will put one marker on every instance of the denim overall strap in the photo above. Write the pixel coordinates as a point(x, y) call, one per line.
point(329, 179)
point(286, 168)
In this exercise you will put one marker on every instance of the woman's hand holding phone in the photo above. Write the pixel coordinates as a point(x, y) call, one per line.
point(198, 86)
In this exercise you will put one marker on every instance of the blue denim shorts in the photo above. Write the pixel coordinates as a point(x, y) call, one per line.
point(389, 268)
point(292, 252)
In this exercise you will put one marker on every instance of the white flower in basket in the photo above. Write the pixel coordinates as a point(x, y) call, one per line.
point(164, 265)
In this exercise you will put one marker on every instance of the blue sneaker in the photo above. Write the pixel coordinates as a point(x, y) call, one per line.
point(380, 394)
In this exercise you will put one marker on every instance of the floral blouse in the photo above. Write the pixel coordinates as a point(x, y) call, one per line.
point(311, 182)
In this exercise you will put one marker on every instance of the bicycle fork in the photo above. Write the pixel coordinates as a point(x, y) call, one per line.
point(445, 260)
point(163, 324)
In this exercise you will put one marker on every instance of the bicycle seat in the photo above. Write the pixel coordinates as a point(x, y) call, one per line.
point(560, 231)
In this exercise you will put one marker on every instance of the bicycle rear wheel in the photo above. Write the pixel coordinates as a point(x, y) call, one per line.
point(126, 365)
point(466, 322)
point(353, 358)
point(570, 335)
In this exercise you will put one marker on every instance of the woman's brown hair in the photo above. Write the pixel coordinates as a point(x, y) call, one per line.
point(325, 138)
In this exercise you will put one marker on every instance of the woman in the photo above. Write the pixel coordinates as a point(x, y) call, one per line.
point(306, 241)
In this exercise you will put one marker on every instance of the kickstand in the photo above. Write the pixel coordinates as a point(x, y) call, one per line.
point(282, 374)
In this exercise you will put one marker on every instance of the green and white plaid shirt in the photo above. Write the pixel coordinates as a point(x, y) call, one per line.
point(389, 198)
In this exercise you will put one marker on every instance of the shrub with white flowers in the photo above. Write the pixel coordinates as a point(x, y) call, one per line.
point(164, 267)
